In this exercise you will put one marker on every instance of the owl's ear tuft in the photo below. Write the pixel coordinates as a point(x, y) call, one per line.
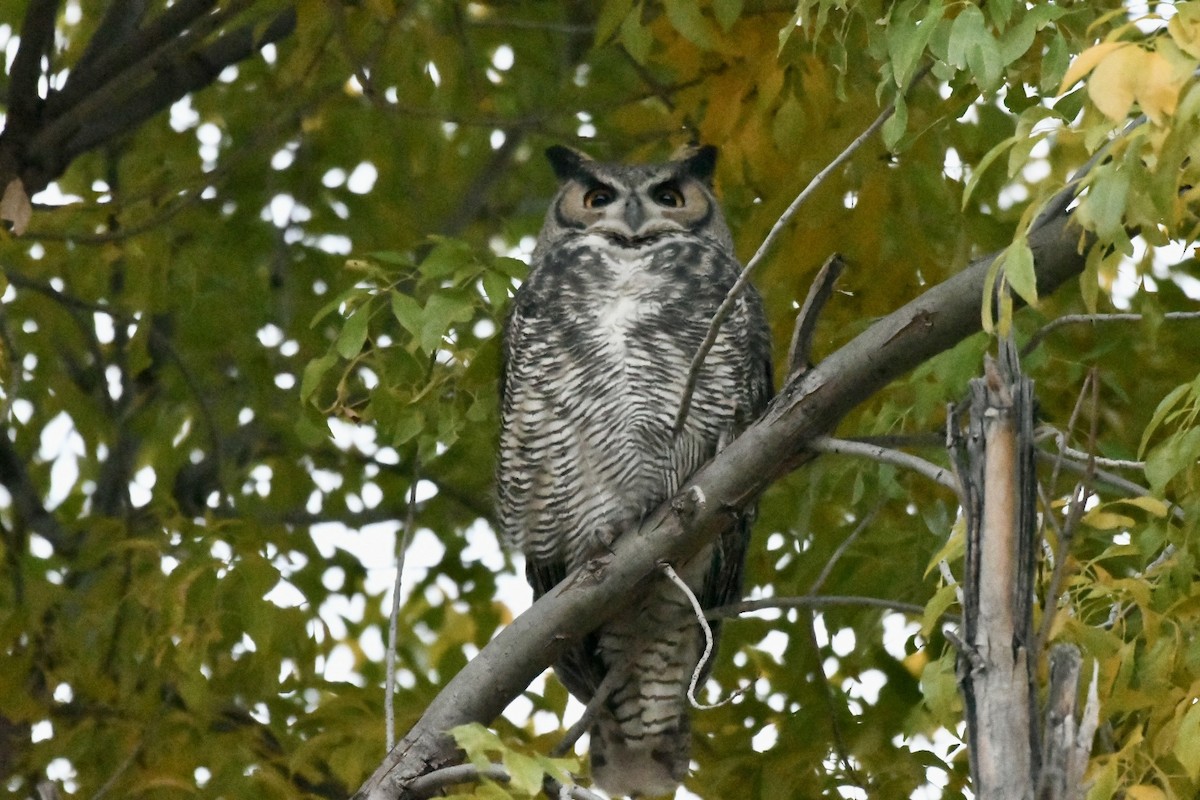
point(566, 162)
point(700, 163)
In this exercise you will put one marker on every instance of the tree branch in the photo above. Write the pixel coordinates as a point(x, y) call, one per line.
point(37, 36)
point(1075, 319)
point(114, 56)
point(800, 349)
point(815, 601)
point(942, 476)
point(807, 407)
point(195, 71)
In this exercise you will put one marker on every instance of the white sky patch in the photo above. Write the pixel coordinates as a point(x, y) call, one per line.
point(952, 165)
point(62, 445)
point(183, 116)
point(333, 178)
point(503, 58)
point(897, 629)
point(766, 738)
point(362, 178)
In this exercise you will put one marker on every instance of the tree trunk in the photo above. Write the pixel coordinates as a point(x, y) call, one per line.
point(1012, 758)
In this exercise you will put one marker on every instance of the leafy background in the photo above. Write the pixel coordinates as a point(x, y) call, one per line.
point(237, 340)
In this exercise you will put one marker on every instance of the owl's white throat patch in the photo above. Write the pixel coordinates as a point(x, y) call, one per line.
point(631, 292)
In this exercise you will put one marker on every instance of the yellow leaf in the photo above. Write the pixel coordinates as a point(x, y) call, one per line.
point(1145, 792)
point(1086, 62)
point(1106, 520)
point(1113, 84)
point(1156, 85)
point(1151, 505)
point(1184, 28)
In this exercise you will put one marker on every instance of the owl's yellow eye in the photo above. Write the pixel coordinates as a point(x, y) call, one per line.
point(599, 197)
point(668, 196)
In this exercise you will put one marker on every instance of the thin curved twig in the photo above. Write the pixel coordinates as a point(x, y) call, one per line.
point(674, 578)
point(468, 773)
point(942, 476)
point(389, 692)
point(1075, 319)
point(814, 601)
point(768, 242)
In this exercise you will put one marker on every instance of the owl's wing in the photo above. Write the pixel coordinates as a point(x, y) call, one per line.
point(723, 584)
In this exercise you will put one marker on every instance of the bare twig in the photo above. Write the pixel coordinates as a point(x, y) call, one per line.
point(800, 350)
point(813, 601)
point(1060, 441)
point(1077, 319)
point(743, 279)
point(468, 773)
point(1075, 511)
point(942, 476)
point(118, 772)
point(389, 693)
point(835, 723)
point(823, 575)
point(614, 676)
point(674, 578)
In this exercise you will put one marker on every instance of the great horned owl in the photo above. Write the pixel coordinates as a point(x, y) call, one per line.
point(630, 266)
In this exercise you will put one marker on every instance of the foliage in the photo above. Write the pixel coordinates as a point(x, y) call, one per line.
point(236, 336)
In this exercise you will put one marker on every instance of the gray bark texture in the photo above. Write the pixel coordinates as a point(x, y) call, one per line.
point(1013, 755)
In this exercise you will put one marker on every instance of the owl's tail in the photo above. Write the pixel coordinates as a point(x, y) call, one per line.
point(651, 765)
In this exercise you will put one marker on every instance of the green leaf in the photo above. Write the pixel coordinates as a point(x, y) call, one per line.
point(973, 48)
point(1054, 63)
point(525, 772)
point(637, 39)
point(393, 257)
point(1187, 742)
point(1017, 40)
point(442, 311)
point(447, 257)
point(727, 12)
point(353, 335)
point(406, 423)
point(512, 267)
point(314, 372)
point(312, 432)
point(685, 16)
point(496, 287)
point(942, 599)
point(896, 125)
point(907, 42)
point(939, 686)
point(609, 20)
point(785, 33)
point(1165, 406)
point(985, 162)
point(408, 312)
point(1019, 270)
point(1176, 454)
point(477, 742)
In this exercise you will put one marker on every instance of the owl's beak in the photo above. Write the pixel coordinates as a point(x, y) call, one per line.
point(634, 214)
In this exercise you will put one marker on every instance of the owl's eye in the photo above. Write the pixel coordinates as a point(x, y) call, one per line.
point(668, 196)
point(599, 197)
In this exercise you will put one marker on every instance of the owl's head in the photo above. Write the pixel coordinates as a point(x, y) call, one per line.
point(635, 203)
